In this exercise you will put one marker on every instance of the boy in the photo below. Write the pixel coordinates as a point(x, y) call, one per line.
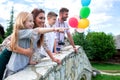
point(51, 36)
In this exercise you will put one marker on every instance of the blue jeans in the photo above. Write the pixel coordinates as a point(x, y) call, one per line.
point(58, 49)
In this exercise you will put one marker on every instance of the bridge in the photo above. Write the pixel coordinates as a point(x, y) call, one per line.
point(74, 67)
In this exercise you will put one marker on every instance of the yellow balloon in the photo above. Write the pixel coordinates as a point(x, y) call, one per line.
point(83, 23)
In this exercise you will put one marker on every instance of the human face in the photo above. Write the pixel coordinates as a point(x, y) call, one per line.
point(40, 20)
point(52, 20)
point(29, 22)
point(64, 16)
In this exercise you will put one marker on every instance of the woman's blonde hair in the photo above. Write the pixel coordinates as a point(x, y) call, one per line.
point(19, 24)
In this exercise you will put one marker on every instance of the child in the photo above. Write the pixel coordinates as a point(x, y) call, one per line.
point(6, 53)
point(50, 37)
point(25, 37)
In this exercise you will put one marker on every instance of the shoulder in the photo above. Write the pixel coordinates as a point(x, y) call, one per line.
point(57, 22)
point(25, 30)
point(66, 23)
point(6, 40)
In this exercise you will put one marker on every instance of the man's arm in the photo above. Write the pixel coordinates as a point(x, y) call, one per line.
point(71, 41)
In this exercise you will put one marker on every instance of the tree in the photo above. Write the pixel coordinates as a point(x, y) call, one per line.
point(2, 32)
point(11, 22)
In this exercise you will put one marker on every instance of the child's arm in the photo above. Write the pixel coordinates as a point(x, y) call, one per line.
point(53, 58)
point(46, 30)
point(45, 46)
point(28, 52)
point(55, 51)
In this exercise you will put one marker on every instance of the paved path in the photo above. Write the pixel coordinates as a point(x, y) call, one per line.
point(110, 72)
point(106, 73)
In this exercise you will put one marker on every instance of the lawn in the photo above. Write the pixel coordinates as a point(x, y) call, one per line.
point(106, 77)
point(105, 66)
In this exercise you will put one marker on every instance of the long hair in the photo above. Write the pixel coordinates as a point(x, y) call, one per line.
point(19, 24)
point(35, 13)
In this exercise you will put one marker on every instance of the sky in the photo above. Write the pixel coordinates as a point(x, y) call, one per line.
point(104, 15)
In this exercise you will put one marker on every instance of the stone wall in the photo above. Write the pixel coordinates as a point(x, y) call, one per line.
point(74, 67)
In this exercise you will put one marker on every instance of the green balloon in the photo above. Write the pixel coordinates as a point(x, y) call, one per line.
point(84, 12)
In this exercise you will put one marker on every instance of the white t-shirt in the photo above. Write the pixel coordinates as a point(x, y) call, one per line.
point(50, 37)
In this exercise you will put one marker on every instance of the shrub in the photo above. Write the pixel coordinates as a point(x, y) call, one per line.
point(1, 39)
point(79, 38)
point(97, 45)
point(103, 45)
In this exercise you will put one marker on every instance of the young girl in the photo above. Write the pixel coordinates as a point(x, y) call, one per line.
point(25, 37)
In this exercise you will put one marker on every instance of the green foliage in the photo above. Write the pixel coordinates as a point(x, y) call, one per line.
point(79, 38)
point(106, 66)
point(10, 26)
point(106, 77)
point(103, 45)
point(97, 45)
point(1, 39)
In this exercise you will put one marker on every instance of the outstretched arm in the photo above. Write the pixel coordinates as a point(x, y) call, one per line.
point(46, 30)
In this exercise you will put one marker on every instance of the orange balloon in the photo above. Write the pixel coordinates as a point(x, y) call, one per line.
point(83, 23)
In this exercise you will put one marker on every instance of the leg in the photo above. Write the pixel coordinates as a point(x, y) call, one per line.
point(4, 58)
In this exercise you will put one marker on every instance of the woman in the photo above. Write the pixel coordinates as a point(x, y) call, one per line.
point(39, 21)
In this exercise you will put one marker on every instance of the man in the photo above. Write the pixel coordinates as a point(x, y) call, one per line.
point(61, 22)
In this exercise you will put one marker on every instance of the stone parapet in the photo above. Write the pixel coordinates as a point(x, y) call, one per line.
point(74, 67)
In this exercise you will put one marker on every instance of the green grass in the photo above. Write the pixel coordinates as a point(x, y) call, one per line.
point(106, 77)
point(106, 66)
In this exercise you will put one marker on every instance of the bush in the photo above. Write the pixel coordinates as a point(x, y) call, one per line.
point(103, 45)
point(1, 39)
point(97, 45)
point(80, 39)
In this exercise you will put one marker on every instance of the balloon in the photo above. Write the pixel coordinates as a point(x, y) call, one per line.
point(83, 23)
point(80, 30)
point(85, 2)
point(84, 12)
point(73, 22)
